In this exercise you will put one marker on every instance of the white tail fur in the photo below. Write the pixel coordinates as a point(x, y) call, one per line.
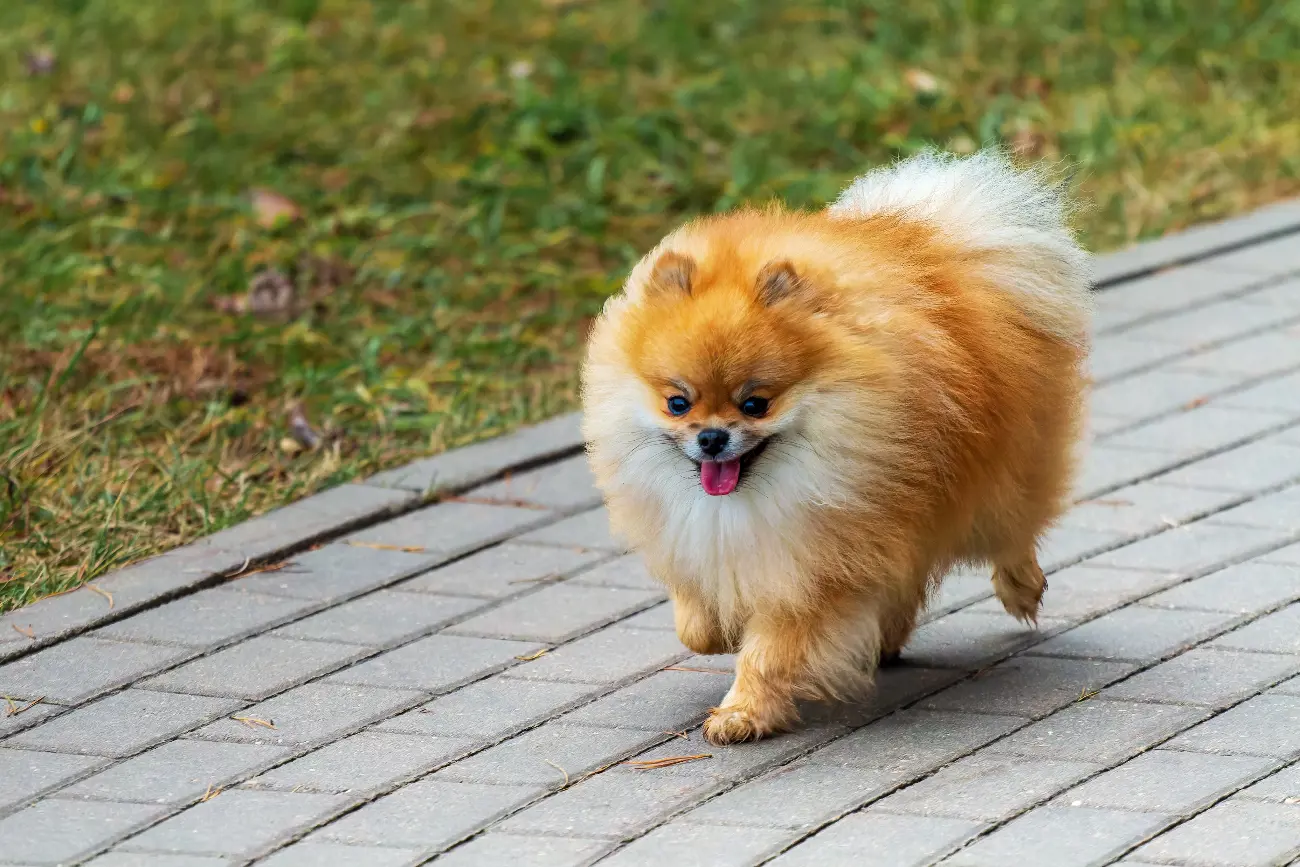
point(987, 204)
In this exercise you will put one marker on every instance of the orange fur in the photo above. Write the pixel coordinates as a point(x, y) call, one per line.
point(920, 416)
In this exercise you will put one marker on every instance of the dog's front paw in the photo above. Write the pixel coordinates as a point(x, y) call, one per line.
point(732, 724)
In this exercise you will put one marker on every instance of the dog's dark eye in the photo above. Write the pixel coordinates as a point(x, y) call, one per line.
point(754, 407)
point(678, 405)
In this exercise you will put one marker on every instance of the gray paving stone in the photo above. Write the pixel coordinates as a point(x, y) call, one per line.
point(1208, 677)
point(1266, 725)
point(452, 529)
point(490, 709)
point(1148, 507)
point(1084, 591)
point(894, 687)
point(1258, 355)
point(1065, 545)
point(321, 853)
point(881, 840)
point(381, 618)
point(622, 802)
point(156, 859)
point(302, 521)
point(1175, 289)
point(1105, 468)
point(565, 486)
point(1031, 686)
point(1199, 430)
point(967, 640)
point(684, 845)
point(912, 742)
point(123, 723)
point(133, 588)
point(59, 832)
point(1280, 256)
point(1252, 467)
point(551, 755)
point(461, 468)
point(1283, 296)
point(558, 613)
point(436, 663)
point(656, 617)
point(1245, 833)
point(1290, 554)
point(1283, 787)
point(1277, 394)
point(1205, 325)
point(511, 850)
point(503, 570)
point(175, 772)
point(628, 571)
point(1195, 548)
point(71, 672)
point(958, 590)
point(1276, 511)
point(255, 668)
point(1118, 355)
point(1136, 634)
point(362, 762)
point(1106, 732)
point(1157, 391)
point(1211, 243)
point(25, 773)
point(589, 530)
point(1275, 633)
point(208, 617)
point(1247, 588)
point(1060, 836)
point(237, 822)
point(608, 656)
point(798, 796)
point(665, 701)
point(987, 788)
point(335, 571)
point(12, 723)
point(430, 814)
point(1166, 781)
point(311, 714)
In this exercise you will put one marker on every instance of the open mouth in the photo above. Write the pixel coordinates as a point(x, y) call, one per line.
point(719, 478)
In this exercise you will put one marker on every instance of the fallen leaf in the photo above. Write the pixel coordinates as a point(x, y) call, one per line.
point(921, 82)
point(560, 769)
point(40, 62)
point(254, 721)
point(302, 430)
point(211, 793)
point(1193, 404)
point(665, 762)
point(1110, 502)
point(270, 292)
point(102, 592)
point(531, 656)
point(27, 633)
point(14, 709)
point(379, 546)
point(273, 209)
point(689, 668)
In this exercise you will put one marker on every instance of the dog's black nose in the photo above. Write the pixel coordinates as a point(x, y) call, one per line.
point(713, 441)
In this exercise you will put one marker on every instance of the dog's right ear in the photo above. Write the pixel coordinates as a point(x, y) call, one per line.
point(672, 274)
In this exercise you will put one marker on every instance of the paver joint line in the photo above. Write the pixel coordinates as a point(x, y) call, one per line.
point(500, 707)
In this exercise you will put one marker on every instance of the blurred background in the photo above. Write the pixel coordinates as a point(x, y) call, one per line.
point(251, 248)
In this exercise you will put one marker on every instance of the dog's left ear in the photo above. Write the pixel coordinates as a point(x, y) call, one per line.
point(779, 281)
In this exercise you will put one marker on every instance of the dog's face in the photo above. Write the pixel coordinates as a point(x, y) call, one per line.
point(725, 353)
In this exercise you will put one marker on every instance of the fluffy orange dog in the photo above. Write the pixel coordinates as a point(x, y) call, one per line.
point(803, 420)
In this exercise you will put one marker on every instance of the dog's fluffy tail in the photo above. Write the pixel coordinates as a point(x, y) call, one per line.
point(983, 202)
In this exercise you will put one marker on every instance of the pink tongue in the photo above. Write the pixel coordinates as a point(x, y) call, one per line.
point(719, 478)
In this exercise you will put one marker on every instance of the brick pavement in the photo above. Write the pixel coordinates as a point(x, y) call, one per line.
point(472, 700)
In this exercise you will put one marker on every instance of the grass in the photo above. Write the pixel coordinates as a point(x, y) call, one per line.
point(460, 183)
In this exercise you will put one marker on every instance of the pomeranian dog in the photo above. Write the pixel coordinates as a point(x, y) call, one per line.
point(804, 420)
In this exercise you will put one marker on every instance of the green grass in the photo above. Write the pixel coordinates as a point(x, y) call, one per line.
point(472, 179)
